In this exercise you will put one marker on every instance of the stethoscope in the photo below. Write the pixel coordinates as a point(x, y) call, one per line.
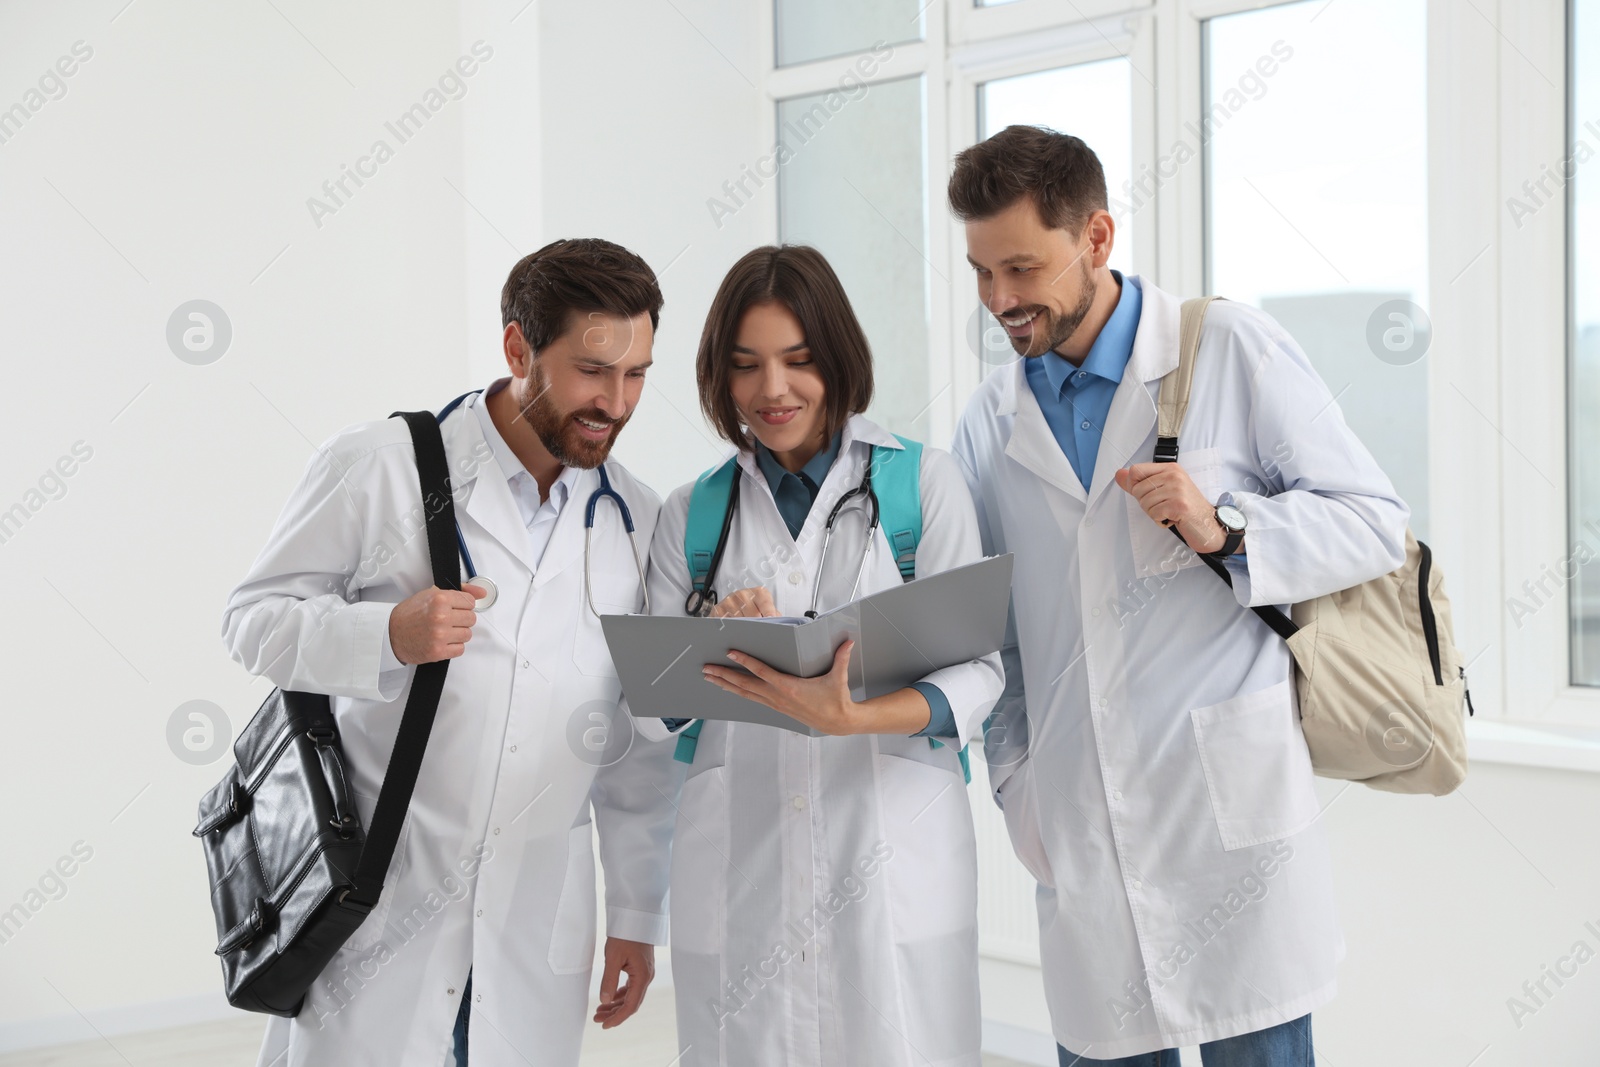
point(701, 598)
point(487, 584)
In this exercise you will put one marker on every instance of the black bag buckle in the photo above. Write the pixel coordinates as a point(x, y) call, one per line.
point(244, 934)
point(1166, 450)
point(344, 901)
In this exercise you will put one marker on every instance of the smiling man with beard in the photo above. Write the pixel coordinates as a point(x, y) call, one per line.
point(511, 784)
point(1148, 761)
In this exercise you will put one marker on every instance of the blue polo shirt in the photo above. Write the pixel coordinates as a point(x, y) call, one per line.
point(1076, 400)
point(794, 492)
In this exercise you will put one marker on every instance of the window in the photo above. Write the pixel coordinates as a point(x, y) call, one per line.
point(1091, 101)
point(852, 186)
point(1316, 195)
point(1584, 343)
point(1354, 168)
point(808, 30)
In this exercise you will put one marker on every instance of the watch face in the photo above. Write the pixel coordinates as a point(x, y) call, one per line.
point(1231, 517)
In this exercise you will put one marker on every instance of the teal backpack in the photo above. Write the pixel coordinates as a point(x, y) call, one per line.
point(896, 482)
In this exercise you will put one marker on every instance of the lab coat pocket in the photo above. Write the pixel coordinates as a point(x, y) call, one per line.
point(572, 939)
point(1155, 551)
point(371, 929)
point(1021, 810)
point(927, 840)
point(700, 859)
point(1257, 767)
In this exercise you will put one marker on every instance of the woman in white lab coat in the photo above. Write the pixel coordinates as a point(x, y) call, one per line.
point(824, 890)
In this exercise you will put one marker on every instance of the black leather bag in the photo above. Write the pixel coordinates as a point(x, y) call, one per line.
point(292, 871)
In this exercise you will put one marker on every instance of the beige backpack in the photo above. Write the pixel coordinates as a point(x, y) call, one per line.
point(1380, 681)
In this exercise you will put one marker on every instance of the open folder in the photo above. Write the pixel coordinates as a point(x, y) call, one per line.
point(901, 634)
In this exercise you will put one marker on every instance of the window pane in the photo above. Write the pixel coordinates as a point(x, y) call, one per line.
point(852, 186)
point(1316, 190)
point(1091, 101)
point(818, 29)
point(1585, 410)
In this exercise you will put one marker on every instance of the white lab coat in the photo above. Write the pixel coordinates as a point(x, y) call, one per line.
point(1148, 753)
point(493, 871)
point(824, 890)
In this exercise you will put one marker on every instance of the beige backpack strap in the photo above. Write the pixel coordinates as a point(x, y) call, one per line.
point(1173, 402)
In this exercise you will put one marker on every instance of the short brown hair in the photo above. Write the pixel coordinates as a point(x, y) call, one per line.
point(1059, 171)
point(799, 278)
point(581, 274)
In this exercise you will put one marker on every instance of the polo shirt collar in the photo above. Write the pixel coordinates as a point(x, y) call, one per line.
point(816, 468)
point(1108, 356)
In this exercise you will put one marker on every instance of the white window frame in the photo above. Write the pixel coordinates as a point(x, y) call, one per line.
point(990, 59)
point(1497, 101)
point(1531, 373)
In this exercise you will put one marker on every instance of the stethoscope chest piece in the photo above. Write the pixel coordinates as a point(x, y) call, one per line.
point(491, 591)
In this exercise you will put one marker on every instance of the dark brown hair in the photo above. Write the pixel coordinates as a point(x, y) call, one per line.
point(1059, 171)
point(582, 274)
point(799, 278)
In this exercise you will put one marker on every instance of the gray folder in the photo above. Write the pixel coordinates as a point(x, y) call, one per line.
point(901, 634)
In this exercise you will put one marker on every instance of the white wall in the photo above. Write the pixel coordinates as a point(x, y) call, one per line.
point(646, 114)
point(190, 141)
point(1449, 905)
point(177, 166)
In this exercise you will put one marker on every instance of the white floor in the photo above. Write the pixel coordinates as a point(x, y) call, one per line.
point(648, 1040)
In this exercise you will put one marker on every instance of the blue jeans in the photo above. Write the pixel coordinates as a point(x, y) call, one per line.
point(462, 1017)
point(1285, 1045)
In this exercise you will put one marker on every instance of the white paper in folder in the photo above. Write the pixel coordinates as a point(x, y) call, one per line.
point(902, 634)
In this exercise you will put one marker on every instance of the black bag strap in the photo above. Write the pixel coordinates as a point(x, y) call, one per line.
point(1171, 406)
point(1281, 624)
point(416, 723)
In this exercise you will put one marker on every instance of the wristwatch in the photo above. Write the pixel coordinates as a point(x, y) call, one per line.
point(1232, 521)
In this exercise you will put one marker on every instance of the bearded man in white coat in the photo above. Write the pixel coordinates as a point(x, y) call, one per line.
point(484, 935)
point(1147, 753)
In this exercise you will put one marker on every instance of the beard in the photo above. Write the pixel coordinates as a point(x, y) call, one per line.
point(1050, 330)
point(558, 434)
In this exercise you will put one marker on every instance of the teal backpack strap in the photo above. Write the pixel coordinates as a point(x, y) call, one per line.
point(897, 481)
point(689, 740)
point(708, 505)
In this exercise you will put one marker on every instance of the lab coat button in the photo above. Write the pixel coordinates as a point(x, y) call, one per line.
point(1116, 794)
point(1102, 704)
point(524, 664)
point(1094, 611)
point(795, 577)
point(799, 803)
point(1138, 884)
point(513, 748)
point(449, 992)
point(497, 829)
